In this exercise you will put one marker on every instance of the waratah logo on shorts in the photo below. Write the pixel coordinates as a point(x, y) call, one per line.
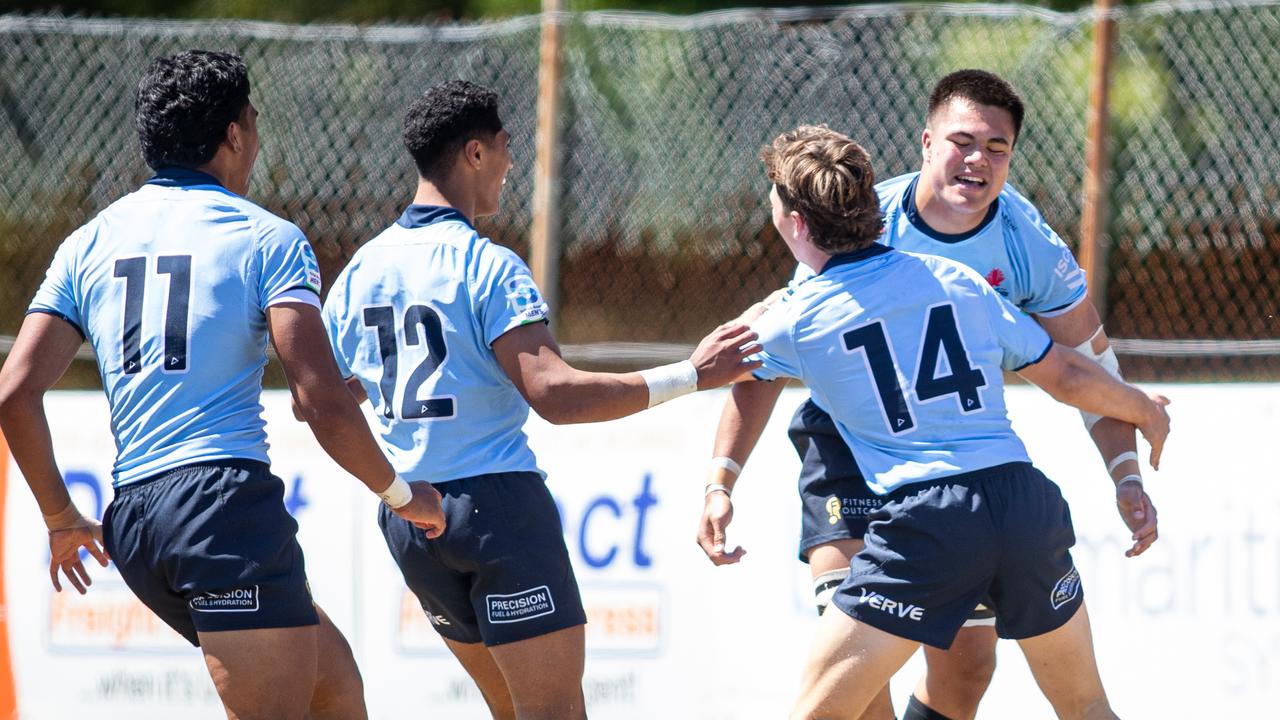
point(238, 600)
point(520, 606)
point(1066, 589)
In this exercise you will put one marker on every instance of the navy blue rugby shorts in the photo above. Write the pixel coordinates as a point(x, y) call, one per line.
point(210, 547)
point(835, 501)
point(500, 573)
point(938, 548)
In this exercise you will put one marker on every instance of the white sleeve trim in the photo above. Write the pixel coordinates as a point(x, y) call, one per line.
point(305, 296)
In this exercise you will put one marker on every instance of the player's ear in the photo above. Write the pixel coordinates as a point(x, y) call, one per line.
point(472, 152)
point(802, 227)
point(926, 144)
point(234, 137)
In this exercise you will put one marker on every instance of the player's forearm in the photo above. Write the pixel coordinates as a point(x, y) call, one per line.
point(575, 396)
point(1117, 444)
point(26, 431)
point(1085, 385)
point(745, 414)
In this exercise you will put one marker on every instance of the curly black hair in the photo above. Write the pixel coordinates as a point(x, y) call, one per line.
point(185, 103)
point(979, 87)
point(444, 119)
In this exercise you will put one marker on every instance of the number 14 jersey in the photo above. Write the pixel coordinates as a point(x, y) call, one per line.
point(170, 285)
point(413, 317)
point(906, 352)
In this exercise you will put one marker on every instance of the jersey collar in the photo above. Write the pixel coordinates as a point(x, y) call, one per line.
point(179, 177)
point(865, 253)
point(418, 216)
point(913, 215)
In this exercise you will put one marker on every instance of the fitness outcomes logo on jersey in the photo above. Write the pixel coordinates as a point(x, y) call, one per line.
point(520, 606)
point(525, 299)
point(238, 600)
point(1066, 589)
point(312, 267)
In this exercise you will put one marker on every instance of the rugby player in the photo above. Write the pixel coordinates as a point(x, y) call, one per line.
point(177, 286)
point(445, 333)
point(908, 352)
point(957, 206)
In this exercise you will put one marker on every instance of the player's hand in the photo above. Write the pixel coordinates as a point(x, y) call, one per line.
point(717, 513)
point(720, 357)
point(1156, 427)
point(1139, 516)
point(424, 509)
point(64, 553)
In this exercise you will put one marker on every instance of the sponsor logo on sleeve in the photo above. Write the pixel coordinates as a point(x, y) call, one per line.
point(312, 267)
point(238, 600)
point(520, 606)
point(1066, 589)
point(525, 299)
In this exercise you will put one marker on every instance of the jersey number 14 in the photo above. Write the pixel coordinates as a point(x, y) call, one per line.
point(941, 339)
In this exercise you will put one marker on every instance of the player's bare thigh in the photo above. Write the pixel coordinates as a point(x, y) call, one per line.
point(339, 693)
point(833, 555)
point(266, 674)
point(478, 661)
point(544, 674)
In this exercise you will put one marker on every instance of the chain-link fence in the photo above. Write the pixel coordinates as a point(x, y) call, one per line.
point(665, 222)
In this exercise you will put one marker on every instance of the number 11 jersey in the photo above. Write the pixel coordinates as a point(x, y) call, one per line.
point(170, 285)
point(413, 317)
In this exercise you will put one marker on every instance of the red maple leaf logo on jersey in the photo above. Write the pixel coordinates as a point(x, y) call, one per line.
point(995, 277)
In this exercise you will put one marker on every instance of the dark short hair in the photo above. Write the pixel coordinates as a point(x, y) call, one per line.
point(979, 87)
point(185, 103)
point(827, 178)
point(444, 119)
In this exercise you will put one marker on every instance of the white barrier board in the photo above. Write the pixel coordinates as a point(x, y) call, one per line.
point(1190, 629)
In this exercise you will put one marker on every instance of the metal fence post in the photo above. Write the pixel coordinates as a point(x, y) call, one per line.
point(544, 238)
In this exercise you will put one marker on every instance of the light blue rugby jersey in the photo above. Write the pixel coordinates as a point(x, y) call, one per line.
point(170, 284)
point(1013, 248)
point(414, 316)
point(905, 351)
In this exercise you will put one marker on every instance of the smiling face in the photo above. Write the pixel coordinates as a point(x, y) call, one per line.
point(966, 148)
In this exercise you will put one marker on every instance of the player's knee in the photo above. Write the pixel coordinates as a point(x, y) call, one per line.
point(825, 586)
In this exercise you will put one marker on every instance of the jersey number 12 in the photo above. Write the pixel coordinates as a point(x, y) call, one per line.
point(383, 319)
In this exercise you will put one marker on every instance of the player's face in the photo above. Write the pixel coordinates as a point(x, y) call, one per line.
point(495, 164)
point(967, 148)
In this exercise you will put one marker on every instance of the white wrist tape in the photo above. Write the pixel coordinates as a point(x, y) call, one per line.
point(398, 494)
point(1119, 459)
point(1109, 362)
point(1130, 478)
point(667, 382)
point(65, 519)
point(717, 487)
point(723, 461)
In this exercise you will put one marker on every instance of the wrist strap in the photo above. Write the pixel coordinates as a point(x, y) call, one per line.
point(398, 493)
point(667, 382)
point(726, 462)
point(718, 487)
point(1130, 478)
point(1119, 459)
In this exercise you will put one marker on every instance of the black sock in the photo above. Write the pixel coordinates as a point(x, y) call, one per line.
point(917, 710)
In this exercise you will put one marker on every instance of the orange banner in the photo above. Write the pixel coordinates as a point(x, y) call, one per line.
point(8, 697)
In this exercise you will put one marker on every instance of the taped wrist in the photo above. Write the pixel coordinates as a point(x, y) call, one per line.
point(667, 382)
point(1109, 362)
point(65, 518)
point(825, 586)
point(398, 493)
